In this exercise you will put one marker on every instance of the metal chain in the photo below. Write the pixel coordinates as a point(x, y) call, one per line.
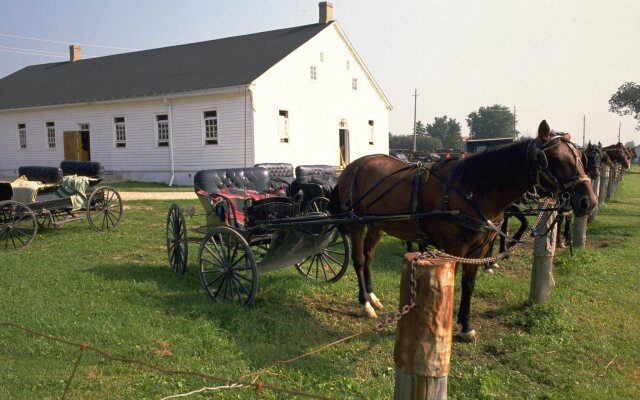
point(480, 261)
point(412, 298)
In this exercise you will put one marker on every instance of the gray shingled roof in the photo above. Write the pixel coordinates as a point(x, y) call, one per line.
point(197, 66)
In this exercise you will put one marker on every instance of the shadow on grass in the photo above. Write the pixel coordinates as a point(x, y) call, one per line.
point(281, 324)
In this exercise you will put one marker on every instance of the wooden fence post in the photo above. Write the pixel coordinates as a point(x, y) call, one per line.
point(423, 340)
point(579, 232)
point(544, 247)
point(611, 183)
point(604, 180)
point(595, 185)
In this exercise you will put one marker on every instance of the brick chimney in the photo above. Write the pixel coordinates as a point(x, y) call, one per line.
point(326, 12)
point(75, 53)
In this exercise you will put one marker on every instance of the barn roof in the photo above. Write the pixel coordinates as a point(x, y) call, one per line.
point(185, 68)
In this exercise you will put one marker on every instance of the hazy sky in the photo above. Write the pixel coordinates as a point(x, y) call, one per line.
point(551, 59)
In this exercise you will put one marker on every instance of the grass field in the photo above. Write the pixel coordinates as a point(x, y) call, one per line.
point(116, 292)
point(149, 187)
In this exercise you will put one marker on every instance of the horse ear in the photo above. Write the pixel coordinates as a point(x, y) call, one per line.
point(544, 132)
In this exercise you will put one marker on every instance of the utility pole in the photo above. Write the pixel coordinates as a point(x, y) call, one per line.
point(584, 122)
point(415, 126)
point(515, 133)
point(619, 127)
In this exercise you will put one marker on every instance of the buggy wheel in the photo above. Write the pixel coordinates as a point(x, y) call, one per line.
point(18, 225)
point(228, 269)
point(260, 246)
point(177, 242)
point(104, 208)
point(48, 220)
point(330, 264)
point(317, 205)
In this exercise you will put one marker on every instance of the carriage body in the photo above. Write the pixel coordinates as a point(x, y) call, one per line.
point(240, 238)
point(42, 198)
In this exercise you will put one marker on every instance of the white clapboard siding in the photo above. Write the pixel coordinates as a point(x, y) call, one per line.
point(316, 108)
point(141, 157)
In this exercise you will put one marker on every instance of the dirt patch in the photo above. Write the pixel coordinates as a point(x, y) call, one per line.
point(597, 244)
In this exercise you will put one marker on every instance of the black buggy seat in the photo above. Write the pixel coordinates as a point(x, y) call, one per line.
point(228, 194)
point(41, 174)
point(280, 175)
point(90, 169)
point(314, 181)
point(6, 191)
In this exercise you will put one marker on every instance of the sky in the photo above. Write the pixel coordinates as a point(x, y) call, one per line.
point(559, 60)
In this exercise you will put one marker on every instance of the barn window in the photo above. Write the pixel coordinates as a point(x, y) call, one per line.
point(354, 84)
point(22, 135)
point(314, 73)
point(322, 56)
point(347, 64)
point(283, 126)
point(162, 128)
point(121, 131)
point(51, 134)
point(371, 132)
point(210, 127)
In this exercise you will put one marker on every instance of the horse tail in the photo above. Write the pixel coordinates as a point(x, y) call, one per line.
point(334, 207)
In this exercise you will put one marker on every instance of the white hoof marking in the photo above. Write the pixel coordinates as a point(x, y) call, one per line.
point(368, 311)
point(375, 301)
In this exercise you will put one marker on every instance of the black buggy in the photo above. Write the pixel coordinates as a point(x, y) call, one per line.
point(254, 225)
point(20, 220)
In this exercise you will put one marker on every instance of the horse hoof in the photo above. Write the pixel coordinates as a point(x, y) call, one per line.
point(467, 337)
point(490, 269)
point(375, 301)
point(368, 311)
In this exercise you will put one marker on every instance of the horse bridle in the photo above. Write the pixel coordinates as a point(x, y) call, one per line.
point(563, 187)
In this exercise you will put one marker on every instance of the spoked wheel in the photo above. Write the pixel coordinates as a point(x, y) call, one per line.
point(317, 205)
point(48, 220)
point(331, 264)
point(227, 267)
point(177, 242)
point(18, 225)
point(104, 209)
point(260, 246)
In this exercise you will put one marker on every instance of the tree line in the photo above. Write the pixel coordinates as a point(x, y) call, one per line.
point(495, 121)
point(498, 121)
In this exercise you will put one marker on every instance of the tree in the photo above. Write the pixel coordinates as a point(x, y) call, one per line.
point(630, 144)
point(447, 130)
point(492, 122)
point(423, 142)
point(626, 101)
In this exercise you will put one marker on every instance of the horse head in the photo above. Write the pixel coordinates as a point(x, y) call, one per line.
point(561, 169)
point(594, 159)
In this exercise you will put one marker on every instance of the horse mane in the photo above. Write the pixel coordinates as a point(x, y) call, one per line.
point(497, 167)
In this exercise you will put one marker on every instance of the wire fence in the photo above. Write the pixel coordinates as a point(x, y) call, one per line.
point(245, 381)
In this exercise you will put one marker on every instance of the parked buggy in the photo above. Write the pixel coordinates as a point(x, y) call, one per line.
point(242, 238)
point(53, 205)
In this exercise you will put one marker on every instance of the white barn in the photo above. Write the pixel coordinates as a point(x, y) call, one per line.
point(300, 95)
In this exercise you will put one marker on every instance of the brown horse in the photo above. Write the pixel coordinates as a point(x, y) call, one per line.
point(477, 190)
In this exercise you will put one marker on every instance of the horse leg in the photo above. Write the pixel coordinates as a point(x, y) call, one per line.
point(490, 267)
point(467, 333)
point(371, 241)
point(524, 225)
point(504, 228)
point(357, 233)
point(409, 246)
point(559, 241)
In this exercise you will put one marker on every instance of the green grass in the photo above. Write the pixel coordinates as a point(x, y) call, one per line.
point(116, 292)
point(149, 187)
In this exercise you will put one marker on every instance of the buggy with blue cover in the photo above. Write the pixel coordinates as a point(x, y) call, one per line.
point(49, 197)
point(243, 236)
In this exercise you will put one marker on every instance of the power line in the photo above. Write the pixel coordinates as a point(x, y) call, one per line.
point(67, 42)
point(33, 50)
point(33, 54)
